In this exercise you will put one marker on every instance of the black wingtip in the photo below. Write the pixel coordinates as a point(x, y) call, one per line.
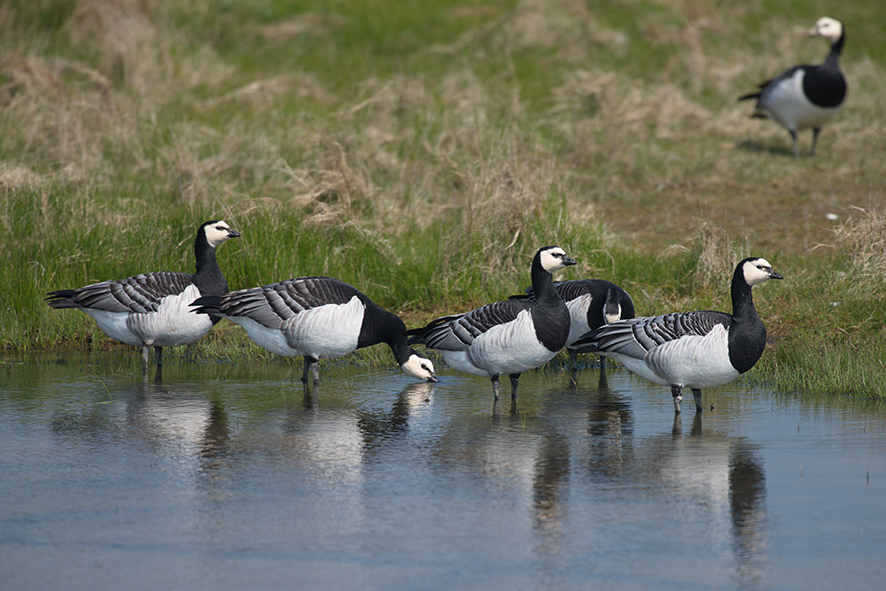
point(206, 305)
point(63, 298)
point(587, 343)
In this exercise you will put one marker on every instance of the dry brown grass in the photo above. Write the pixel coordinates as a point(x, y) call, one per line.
point(862, 239)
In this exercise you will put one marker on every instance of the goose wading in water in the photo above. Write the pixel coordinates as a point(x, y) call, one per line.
point(316, 318)
point(511, 336)
point(696, 350)
point(151, 309)
point(591, 303)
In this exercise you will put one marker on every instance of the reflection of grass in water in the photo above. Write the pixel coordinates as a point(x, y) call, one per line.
point(424, 153)
point(108, 392)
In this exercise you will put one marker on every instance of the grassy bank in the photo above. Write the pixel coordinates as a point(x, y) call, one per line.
point(424, 151)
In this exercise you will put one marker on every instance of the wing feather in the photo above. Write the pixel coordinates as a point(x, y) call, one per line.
point(271, 305)
point(457, 332)
point(637, 336)
point(140, 294)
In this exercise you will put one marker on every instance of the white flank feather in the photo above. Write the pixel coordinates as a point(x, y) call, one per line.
point(326, 331)
point(694, 361)
point(511, 347)
point(787, 104)
point(171, 325)
point(269, 338)
point(578, 317)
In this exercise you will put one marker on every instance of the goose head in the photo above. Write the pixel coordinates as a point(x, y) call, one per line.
point(757, 270)
point(829, 28)
point(419, 367)
point(554, 258)
point(217, 231)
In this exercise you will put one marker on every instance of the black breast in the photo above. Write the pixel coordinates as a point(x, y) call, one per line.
point(551, 321)
point(825, 87)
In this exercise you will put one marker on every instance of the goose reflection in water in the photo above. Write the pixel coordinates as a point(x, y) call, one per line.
point(720, 477)
point(380, 426)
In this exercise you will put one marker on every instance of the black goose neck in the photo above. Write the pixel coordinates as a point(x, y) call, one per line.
point(542, 281)
point(400, 348)
point(742, 297)
point(833, 57)
point(837, 45)
point(204, 254)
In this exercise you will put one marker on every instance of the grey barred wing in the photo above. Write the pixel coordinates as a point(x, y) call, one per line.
point(141, 294)
point(273, 304)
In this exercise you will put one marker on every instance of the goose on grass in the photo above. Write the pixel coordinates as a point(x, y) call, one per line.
point(316, 318)
point(696, 350)
point(151, 309)
point(806, 96)
point(591, 303)
point(508, 337)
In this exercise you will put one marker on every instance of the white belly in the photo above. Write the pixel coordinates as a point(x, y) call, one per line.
point(173, 324)
point(694, 362)
point(115, 326)
point(509, 348)
point(324, 332)
point(788, 106)
point(271, 339)
point(639, 367)
point(459, 360)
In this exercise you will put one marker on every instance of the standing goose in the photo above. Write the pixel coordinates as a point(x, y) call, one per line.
point(505, 337)
point(151, 309)
point(592, 303)
point(316, 318)
point(806, 96)
point(691, 349)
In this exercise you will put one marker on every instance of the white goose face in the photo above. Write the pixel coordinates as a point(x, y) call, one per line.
point(420, 368)
point(829, 28)
point(757, 271)
point(554, 258)
point(218, 232)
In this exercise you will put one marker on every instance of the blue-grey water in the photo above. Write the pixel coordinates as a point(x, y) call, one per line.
point(232, 476)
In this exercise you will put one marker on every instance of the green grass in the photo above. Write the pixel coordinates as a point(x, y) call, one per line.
point(424, 150)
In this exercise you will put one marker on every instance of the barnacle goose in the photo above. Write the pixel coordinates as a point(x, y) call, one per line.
point(151, 309)
point(316, 318)
point(509, 337)
point(591, 303)
point(806, 96)
point(691, 349)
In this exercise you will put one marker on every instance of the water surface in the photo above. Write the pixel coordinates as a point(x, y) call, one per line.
point(234, 476)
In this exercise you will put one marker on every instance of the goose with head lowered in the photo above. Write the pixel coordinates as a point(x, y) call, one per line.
point(696, 350)
point(151, 309)
point(507, 337)
point(316, 318)
point(806, 96)
point(592, 303)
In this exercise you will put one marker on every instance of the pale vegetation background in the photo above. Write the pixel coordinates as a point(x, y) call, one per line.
point(424, 150)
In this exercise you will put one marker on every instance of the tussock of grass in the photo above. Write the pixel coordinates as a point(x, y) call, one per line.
point(424, 154)
point(862, 240)
point(838, 369)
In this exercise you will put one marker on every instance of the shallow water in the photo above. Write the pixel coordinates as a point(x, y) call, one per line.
point(232, 476)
